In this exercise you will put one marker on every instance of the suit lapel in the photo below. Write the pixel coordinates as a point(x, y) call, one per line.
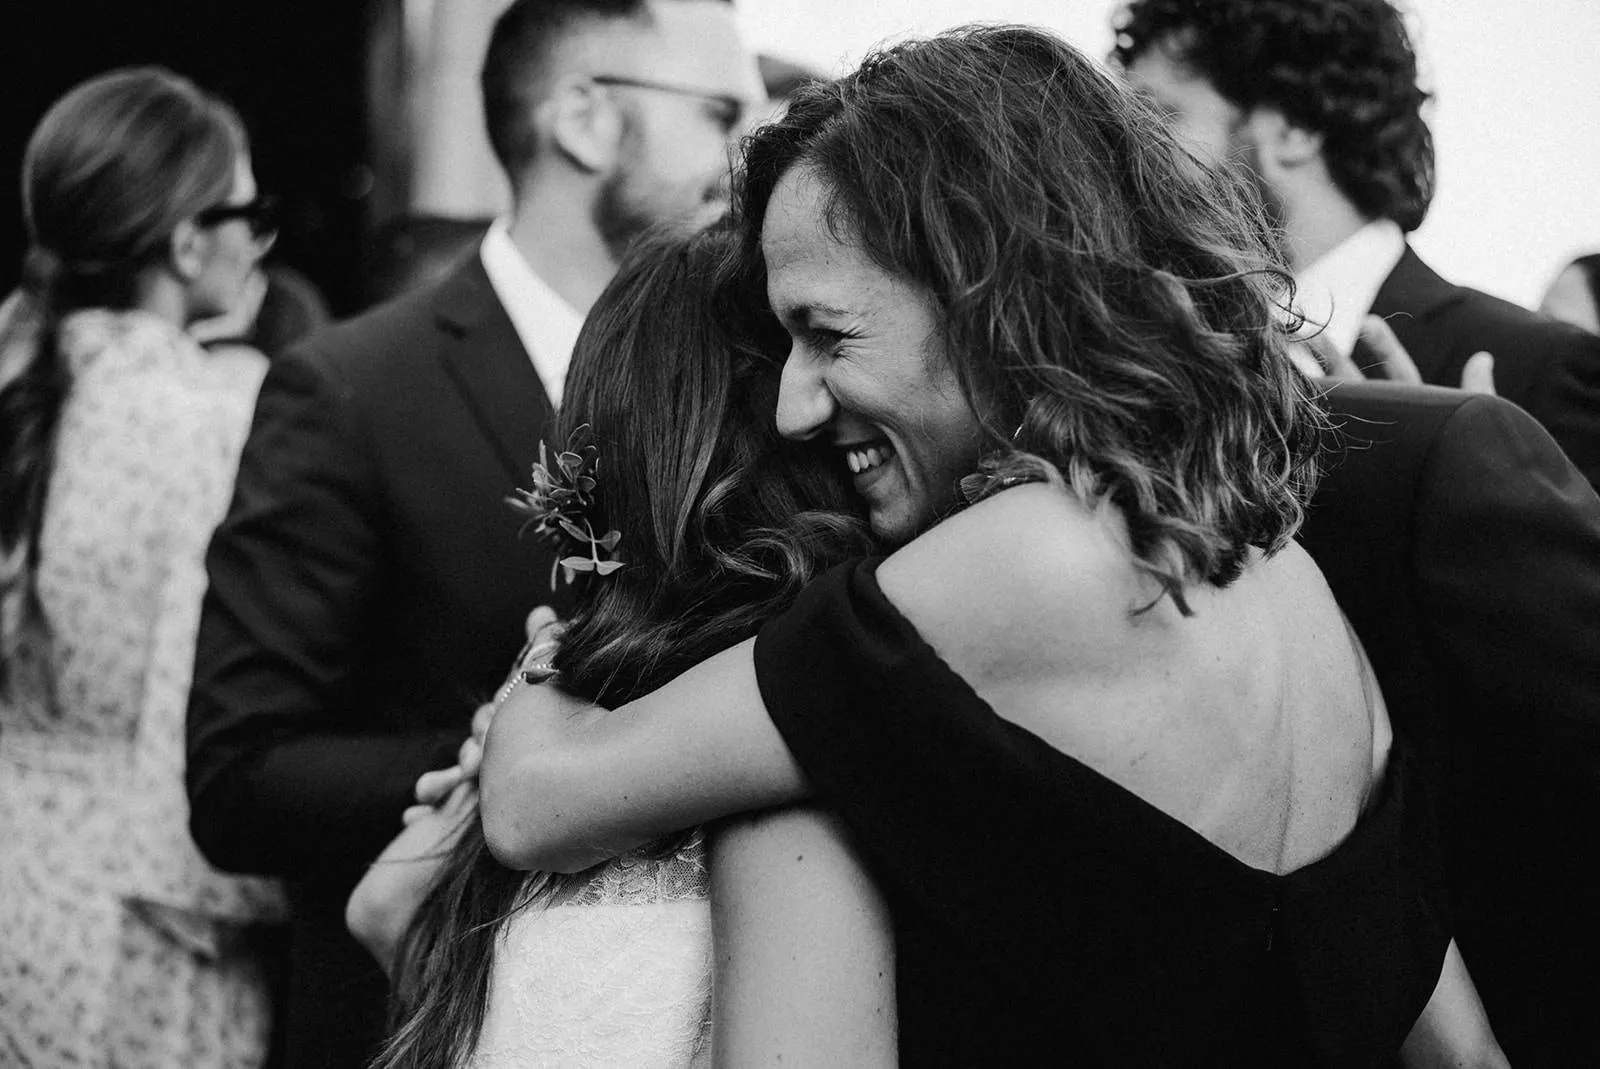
point(1410, 299)
point(484, 357)
point(1414, 289)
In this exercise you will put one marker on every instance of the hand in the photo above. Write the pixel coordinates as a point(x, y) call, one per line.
point(543, 628)
point(239, 320)
point(382, 905)
point(1476, 377)
point(1478, 374)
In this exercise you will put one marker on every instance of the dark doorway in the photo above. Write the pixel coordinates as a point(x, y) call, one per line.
point(294, 68)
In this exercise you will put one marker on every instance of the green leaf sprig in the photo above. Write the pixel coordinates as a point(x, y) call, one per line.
point(557, 508)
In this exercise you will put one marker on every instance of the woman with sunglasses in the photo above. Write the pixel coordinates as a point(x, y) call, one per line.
point(119, 437)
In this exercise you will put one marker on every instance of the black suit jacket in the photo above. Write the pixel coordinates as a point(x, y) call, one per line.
point(1550, 368)
point(368, 589)
point(1465, 550)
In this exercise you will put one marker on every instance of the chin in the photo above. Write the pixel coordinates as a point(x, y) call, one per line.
point(895, 529)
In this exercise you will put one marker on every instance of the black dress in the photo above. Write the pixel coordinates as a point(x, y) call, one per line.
point(1045, 915)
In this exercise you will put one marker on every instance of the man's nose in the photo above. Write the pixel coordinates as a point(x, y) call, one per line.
point(804, 404)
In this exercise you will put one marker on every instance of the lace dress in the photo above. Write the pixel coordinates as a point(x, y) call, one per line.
point(614, 972)
point(119, 945)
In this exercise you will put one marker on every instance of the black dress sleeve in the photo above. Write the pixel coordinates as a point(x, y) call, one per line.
point(931, 782)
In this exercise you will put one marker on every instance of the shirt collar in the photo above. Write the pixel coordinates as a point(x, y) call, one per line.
point(1338, 289)
point(546, 324)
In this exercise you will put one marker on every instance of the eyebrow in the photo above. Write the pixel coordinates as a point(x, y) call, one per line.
point(804, 313)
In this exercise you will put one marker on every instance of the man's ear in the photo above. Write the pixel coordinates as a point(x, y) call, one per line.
point(585, 124)
point(187, 250)
point(1281, 143)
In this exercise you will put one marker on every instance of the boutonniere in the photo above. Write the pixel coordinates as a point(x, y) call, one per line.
point(557, 508)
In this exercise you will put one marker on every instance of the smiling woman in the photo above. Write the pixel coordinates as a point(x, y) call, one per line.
point(1113, 670)
point(866, 372)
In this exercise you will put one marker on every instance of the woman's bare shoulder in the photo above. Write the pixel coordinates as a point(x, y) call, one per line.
point(1032, 578)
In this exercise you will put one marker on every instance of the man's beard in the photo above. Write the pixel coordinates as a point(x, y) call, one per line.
point(629, 203)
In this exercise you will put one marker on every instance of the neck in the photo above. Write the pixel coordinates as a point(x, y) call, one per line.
point(1317, 223)
point(555, 232)
point(158, 293)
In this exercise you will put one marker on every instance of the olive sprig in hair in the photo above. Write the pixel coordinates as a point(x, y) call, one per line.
point(557, 508)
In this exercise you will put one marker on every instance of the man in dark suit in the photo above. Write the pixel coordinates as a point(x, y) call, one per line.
point(1465, 550)
point(368, 587)
point(1319, 99)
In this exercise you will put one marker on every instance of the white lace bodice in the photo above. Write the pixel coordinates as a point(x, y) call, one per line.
point(616, 972)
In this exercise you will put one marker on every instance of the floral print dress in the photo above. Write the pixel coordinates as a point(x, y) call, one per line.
point(119, 945)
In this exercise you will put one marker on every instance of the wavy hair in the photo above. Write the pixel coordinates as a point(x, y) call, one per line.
point(1113, 309)
point(1343, 68)
point(722, 523)
point(108, 174)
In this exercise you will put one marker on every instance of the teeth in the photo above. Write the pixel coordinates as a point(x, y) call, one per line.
point(861, 460)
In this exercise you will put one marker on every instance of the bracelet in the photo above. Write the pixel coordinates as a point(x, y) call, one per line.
point(543, 672)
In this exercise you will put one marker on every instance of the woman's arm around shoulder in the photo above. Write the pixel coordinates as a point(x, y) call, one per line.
point(566, 784)
point(804, 948)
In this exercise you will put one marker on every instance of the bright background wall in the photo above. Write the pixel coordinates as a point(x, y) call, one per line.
point(1516, 119)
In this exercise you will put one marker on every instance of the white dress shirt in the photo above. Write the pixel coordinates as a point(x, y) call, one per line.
point(547, 325)
point(1337, 290)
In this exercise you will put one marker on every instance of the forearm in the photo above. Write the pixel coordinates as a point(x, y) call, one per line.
point(311, 804)
point(566, 784)
point(804, 947)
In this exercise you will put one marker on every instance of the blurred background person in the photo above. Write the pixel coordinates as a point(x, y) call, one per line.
point(281, 306)
point(1574, 295)
point(369, 586)
point(1319, 100)
point(119, 436)
point(781, 77)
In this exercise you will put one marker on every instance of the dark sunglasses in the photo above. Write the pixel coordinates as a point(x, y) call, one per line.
point(261, 214)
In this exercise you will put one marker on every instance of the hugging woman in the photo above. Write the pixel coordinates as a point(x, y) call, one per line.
point(668, 442)
point(1097, 728)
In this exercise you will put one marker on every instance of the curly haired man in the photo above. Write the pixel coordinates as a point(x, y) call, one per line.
point(1464, 550)
point(1319, 99)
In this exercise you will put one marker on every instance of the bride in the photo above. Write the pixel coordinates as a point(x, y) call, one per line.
point(716, 523)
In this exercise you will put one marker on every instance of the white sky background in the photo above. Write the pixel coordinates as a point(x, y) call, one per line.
point(1516, 115)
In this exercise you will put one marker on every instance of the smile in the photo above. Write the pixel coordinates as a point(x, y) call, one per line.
point(865, 458)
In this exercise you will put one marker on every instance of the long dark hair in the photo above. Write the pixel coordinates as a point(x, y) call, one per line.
point(1113, 310)
point(722, 523)
point(111, 170)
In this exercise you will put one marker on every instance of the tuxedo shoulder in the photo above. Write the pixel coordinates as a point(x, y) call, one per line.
point(391, 330)
point(1489, 320)
point(1352, 405)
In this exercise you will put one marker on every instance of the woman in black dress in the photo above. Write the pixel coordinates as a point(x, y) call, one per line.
point(1101, 734)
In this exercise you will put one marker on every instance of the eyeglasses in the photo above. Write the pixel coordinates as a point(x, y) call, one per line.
point(731, 108)
point(260, 214)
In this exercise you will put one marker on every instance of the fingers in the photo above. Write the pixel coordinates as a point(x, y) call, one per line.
point(470, 758)
point(1478, 374)
point(540, 620)
point(1397, 363)
point(434, 787)
point(1338, 365)
point(481, 720)
point(463, 798)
